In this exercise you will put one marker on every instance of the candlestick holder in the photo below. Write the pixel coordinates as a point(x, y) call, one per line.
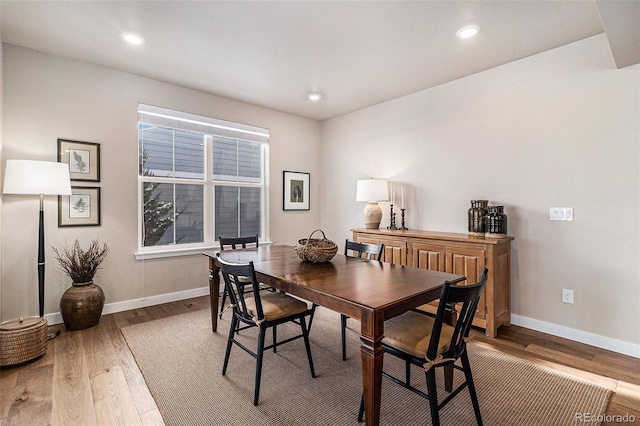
point(392, 221)
point(403, 227)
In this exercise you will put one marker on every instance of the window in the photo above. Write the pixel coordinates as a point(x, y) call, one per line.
point(199, 178)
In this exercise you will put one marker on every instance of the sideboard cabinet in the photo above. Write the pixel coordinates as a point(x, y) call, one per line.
point(458, 254)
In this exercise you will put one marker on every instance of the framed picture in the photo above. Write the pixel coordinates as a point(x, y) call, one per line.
point(81, 208)
point(295, 191)
point(83, 159)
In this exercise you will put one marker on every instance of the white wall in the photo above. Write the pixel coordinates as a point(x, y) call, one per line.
point(48, 97)
point(558, 129)
point(1, 162)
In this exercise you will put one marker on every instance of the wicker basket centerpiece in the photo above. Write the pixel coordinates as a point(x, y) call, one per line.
point(316, 250)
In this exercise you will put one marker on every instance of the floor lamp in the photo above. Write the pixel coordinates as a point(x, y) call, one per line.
point(28, 177)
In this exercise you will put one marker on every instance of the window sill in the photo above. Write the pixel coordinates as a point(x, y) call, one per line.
point(159, 254)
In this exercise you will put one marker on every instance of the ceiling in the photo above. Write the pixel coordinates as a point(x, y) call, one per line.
point(272, 54)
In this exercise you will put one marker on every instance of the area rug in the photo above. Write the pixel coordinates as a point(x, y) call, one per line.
point(181, 360)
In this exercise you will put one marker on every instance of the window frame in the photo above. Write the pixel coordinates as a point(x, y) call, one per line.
point(209, 207)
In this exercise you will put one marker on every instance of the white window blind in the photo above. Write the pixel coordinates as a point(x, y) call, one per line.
point(162, 117)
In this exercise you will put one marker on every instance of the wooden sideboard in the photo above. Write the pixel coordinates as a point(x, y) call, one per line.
point(456, 253)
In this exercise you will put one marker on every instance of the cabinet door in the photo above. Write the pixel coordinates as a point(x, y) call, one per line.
point(395, 250)
point(427, 255)
point(468, 261)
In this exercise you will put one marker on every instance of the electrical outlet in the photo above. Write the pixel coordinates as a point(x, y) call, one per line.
point(564, 214)
point(567, 296)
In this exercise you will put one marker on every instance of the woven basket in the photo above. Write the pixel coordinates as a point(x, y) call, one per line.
point(316, 250)
point(22, 340)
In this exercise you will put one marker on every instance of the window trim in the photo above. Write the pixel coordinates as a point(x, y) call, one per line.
point(208, 183)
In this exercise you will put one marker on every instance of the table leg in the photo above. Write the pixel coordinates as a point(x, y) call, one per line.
point(372, 354)
point(214, 292)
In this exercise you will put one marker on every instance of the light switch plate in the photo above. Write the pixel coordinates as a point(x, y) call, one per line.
point(561, 213)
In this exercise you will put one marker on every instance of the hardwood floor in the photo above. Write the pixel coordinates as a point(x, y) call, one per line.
point(90, 377)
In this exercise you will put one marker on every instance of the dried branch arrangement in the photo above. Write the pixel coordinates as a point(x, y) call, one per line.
point(81, 265)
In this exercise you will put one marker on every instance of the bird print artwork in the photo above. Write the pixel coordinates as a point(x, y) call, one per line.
point(297, 194)
point(296, 191)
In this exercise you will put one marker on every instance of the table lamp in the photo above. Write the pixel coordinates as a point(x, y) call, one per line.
point(372, 191)
point(28, 177)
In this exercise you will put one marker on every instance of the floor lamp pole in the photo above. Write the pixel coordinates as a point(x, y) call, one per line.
point(52, 330)
point(41, 257)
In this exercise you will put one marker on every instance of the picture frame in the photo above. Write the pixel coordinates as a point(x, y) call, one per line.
point(83, 159)
point(296, 191)
point(81, 208)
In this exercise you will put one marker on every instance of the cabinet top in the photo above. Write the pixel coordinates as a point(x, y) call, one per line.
point(448, 236)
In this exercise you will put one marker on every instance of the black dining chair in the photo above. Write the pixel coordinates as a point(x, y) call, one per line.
point(233, 243)
point(263, 310)
point(426, 341)
point(361, 250)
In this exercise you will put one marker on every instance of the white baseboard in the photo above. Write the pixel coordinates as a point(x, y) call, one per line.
point(111, 308)
point(534, 324)
point(578, 335)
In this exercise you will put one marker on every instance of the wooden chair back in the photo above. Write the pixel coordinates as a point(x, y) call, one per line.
point(235, 280)
point(238, 242)
point(363, 250)
point(464, 299)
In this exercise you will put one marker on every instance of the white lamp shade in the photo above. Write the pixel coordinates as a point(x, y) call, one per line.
point(372, 190)
point(36, 177)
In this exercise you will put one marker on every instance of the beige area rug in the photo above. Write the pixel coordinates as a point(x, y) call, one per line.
point(181, 360)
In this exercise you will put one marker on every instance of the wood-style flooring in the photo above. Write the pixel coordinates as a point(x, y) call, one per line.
point(90, 377)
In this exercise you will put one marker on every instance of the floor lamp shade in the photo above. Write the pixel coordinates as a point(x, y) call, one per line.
point(372, 191)
point(28, 177)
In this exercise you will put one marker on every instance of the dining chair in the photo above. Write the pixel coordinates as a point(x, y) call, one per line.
point(234, 243)
point(426, 341)
point(362, 250)
point(262, 310)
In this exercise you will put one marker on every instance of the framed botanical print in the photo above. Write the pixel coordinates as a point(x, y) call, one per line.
point(295, 191)
point(83, 159)
point(81, 208)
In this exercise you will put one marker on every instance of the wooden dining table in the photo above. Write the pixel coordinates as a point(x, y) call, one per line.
point(370, 291)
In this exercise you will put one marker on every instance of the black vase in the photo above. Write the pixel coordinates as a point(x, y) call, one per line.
point(496, 222)
point(476, 214)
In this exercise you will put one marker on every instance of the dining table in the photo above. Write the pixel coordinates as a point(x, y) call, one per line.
point(368, 290)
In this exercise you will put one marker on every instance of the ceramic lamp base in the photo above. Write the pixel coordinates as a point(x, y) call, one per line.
point(372, 215)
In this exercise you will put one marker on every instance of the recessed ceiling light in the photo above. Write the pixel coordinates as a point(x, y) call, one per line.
point(314, 96)
point(468, 31)
point(132, 38)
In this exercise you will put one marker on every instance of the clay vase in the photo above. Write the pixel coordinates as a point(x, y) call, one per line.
point(81, 305)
